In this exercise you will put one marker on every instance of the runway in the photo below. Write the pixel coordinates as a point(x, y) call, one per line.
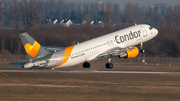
point(86, 71)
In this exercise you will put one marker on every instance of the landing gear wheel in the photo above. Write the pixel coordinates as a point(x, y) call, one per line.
point(142, 50)
point(109, 65)
point(86, 65)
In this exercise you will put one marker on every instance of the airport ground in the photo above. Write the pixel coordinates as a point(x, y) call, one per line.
point(88, 86)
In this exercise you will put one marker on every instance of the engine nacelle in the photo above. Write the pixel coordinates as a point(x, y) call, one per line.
point(130, 53)
point(28, 65)
point(37, 64)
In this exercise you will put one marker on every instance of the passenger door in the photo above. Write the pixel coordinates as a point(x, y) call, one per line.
point(144, 31)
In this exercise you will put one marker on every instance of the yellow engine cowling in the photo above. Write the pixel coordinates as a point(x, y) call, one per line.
point(130, 53)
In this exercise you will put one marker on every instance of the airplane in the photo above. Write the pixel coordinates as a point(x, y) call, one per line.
point(119, 43)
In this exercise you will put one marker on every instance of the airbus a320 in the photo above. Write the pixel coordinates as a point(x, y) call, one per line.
point(120, 43)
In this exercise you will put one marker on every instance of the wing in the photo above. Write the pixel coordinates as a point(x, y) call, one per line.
point(53, 49)
point(107, 53)
point(112, 52)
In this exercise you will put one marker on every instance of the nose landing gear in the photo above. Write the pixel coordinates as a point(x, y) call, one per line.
point(141, 48)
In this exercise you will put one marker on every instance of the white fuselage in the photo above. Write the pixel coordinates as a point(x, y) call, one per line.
point(89, 50)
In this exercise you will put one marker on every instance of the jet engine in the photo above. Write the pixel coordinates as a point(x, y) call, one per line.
point(130, 53)
point(28, 65)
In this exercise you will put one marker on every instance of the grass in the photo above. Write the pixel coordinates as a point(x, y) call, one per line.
point(89, 87)
point(55, 86)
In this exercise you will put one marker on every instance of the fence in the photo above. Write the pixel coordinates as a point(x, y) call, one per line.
point(13, 57)
point(136, 59)
point(152, 59)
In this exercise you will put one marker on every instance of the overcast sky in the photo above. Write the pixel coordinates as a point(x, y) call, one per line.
point(141, 2)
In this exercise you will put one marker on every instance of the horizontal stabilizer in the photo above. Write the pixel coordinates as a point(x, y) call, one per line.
point(18, 63)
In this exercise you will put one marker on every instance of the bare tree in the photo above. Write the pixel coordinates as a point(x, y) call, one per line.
point(15, 12)
point(130, 12)
point(173, 16)
point(1, 15)
point(163, 8)
point(19, 46)
point(109, 13)
point(1, 1)
point(30, 13)
point(3, 41)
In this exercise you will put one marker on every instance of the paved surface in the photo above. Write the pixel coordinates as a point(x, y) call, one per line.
point(87, 71)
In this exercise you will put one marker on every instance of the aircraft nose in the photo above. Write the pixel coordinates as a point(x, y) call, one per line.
point(156, 31)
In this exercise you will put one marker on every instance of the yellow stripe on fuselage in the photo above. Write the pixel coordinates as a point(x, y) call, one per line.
point(67, 54)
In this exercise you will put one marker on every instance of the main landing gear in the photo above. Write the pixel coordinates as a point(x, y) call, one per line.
point(86, 65)
point(109, 65)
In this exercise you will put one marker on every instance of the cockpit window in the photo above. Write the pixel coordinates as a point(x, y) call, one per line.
point(150, 28)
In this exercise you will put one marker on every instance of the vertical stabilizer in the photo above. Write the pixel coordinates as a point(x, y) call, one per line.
point(32, 47)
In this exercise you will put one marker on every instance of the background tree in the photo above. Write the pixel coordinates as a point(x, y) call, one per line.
point(30, 14)
point(2, 18)
point(173, 16)
point(14, 13)
point(129, 13)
